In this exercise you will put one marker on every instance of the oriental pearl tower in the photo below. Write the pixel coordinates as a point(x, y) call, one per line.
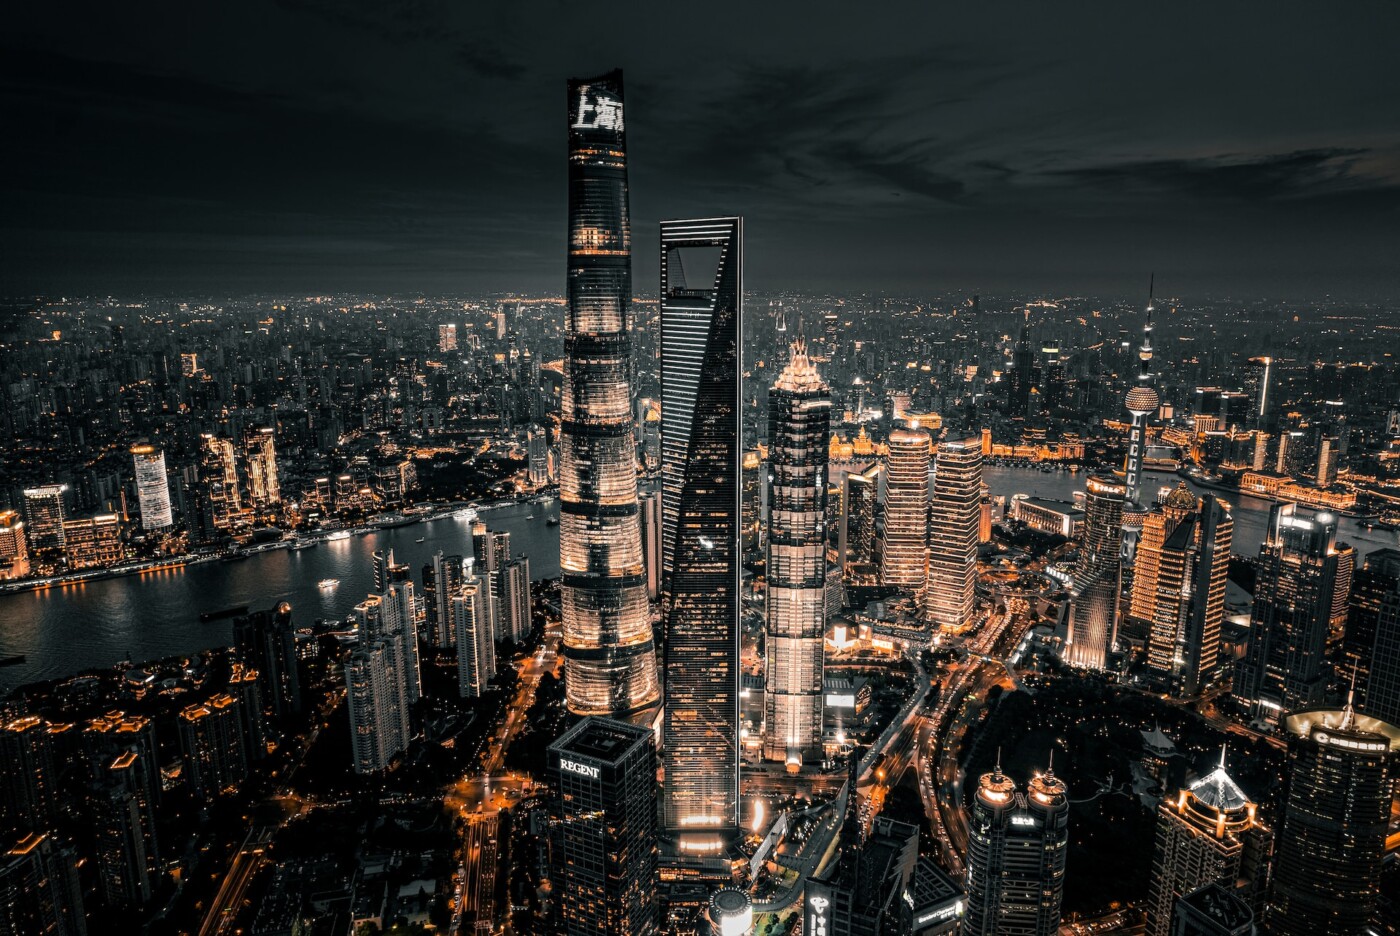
point(1141, 400)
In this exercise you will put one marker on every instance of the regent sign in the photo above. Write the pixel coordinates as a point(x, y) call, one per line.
point(583, 770)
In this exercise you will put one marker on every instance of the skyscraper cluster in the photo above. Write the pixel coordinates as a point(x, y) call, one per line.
point(382, 676)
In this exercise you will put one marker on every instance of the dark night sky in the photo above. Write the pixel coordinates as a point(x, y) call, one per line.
point(418, 145)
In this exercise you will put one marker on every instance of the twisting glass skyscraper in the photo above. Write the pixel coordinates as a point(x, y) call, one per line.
point(609, 660)
point(799, 430)
point(701, 400)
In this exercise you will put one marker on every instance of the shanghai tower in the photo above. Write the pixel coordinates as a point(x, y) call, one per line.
point(609, 659)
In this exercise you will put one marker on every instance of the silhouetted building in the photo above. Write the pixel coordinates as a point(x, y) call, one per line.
point(31, 793)
point(1212, 910)
point(266, 641)
point(214, 747)
point(1370, 658)
point(40, 893)
point(604, 838)
point(868, 892)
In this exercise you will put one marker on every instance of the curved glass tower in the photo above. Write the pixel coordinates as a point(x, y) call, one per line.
point(609, 659)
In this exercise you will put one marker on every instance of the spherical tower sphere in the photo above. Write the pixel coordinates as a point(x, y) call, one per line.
point(731, 913)
point(1142, 400)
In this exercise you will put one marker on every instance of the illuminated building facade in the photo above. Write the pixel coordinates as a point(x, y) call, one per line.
point(1208, 833)
point(905, 554)
point(799, 430)
point(264, 489)
point(1017, 843)
point(955, 514)
point(152, 488)
point(1180, 572)
point(1141, 402)
point(604, 839)
point(1304, 577)
point(1094, 590)
point(1342, 769)
point(609, 659)
point(14, 546)
point(218, 470)
point(93, 542)
point(701, 375)
point(43, 514)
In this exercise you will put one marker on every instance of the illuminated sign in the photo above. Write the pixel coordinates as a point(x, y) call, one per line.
point(840, 700)
point(1022, 821)
point(818, 916)
point(953, 909)
point(597, 110)
point(583, 770)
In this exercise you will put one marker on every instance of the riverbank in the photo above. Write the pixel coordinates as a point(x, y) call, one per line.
point(421, 513)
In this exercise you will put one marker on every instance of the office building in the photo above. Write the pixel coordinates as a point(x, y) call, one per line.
point(799, 430)
point(1208, 833)
point(1178, 591)
point(604, 838)
point(1304, 577)
point(447, 338)
point(955, 514)
point(40, 891)
point(1017, 842)
point(213, 745)
point(609, 659)
point(701, 375)
point(152, 488)
point(1212, 910)
point(1370, 658)
point(1342, 769)
point(93, 542)
point(476, 649)
point(868, 891)
point(905, 553)
point(264, 489)
point(1020, 381)
point(442, 580)
point(730, 912)
point(1257, 374)
point(858, 538)
point(537, 456)
point(43, 515)
point(1095, 587)
point(649, 503)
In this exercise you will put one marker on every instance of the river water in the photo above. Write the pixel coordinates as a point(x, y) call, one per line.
point(62, 631)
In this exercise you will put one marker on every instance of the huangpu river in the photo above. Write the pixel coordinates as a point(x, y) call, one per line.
point(64, 630)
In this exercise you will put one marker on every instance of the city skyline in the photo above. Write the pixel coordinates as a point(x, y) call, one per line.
point(739, 612)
